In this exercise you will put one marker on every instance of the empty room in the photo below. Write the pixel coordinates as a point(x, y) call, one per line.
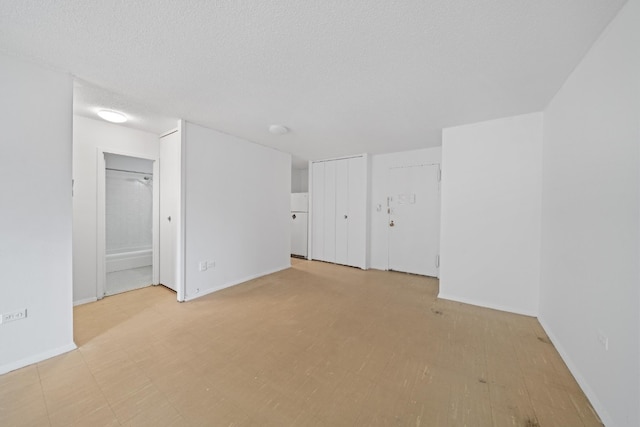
point(228, 213)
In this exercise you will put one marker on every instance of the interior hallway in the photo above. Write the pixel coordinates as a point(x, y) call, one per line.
point(317, 344)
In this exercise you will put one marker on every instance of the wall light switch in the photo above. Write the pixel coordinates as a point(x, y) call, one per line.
point(202, 266)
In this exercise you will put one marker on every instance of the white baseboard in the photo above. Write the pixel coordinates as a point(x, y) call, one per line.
point(584, 385)
point(234, 283)
point(487, 305)
point(36, 358)
point(85, 301)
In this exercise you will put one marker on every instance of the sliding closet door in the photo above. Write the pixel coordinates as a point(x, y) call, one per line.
point(317, 210)
point(357, 212)
point(329, 212)
point(339, 211)
point(342, 211)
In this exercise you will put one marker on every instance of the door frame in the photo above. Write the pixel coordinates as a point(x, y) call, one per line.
point(101, 232)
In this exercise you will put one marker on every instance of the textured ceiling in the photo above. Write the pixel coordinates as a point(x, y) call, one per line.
point(345, 76)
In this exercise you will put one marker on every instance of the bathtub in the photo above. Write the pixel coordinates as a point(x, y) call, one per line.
point(130, 259)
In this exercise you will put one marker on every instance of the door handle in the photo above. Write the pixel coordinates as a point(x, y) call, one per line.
point(169, 218)
point(293, 216)
point(345, 217)
point(391, 224)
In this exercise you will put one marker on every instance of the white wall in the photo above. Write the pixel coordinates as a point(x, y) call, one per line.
point(300, 180)
point(237, 210)
point(491, 195)
point(88, 136)
point(35, 218)
point(128, 212)
point(380, 164)
point(590, 220)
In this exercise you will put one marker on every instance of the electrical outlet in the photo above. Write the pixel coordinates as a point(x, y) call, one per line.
point(603, 340)
point(14, 315)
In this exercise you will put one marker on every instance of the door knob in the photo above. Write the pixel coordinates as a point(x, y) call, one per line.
point(293, 216)
point(391, 224)
point(345, 217)
point(169, 218)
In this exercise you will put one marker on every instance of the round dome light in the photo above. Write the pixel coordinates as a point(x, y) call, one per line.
point(112, 116)
point(278, 129)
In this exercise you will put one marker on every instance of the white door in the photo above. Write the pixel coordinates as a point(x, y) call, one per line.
point(169, 208)
point(342, 211)
point(299, 233)
point(357, 211)
point(317, 211)
point(329, 230)
point(414, 219)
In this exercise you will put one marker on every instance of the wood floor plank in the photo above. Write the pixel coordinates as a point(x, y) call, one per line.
point(317, 344)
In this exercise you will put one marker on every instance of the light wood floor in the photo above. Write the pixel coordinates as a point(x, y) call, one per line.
point(315, 345)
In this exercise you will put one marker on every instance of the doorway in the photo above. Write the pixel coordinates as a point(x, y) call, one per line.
point(128, 223)
point(414, 219)
point(124, 253)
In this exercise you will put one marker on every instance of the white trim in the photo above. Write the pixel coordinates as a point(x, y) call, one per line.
point(236, 282)
point(337, 158)
point(584, 385)
point(85, 301)
point(181, 272)
point(169, 132)
point(101, 270)
point(309, 209)
point(487, 305)
point(367, 214)
point(413, 165)
point(36, 358)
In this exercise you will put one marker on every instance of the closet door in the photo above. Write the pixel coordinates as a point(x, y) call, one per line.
point(342, 211)
point(329, 211)
point(170, 152)
point(317, 211)
point(357, 212)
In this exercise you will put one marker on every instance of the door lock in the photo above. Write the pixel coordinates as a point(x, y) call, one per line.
point(391, 224)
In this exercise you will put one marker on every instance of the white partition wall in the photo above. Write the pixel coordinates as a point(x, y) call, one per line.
point(589, 288)
point(338, 229)
point(36, 214)
point(237, 219)
point(490, 226)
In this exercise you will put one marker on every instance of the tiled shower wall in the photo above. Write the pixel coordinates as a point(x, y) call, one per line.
point(129, 211)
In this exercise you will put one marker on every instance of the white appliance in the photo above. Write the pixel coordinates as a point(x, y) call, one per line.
point(299, 218)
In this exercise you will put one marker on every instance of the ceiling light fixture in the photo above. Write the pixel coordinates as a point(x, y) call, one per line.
point(112, 116)
point(278, 129)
